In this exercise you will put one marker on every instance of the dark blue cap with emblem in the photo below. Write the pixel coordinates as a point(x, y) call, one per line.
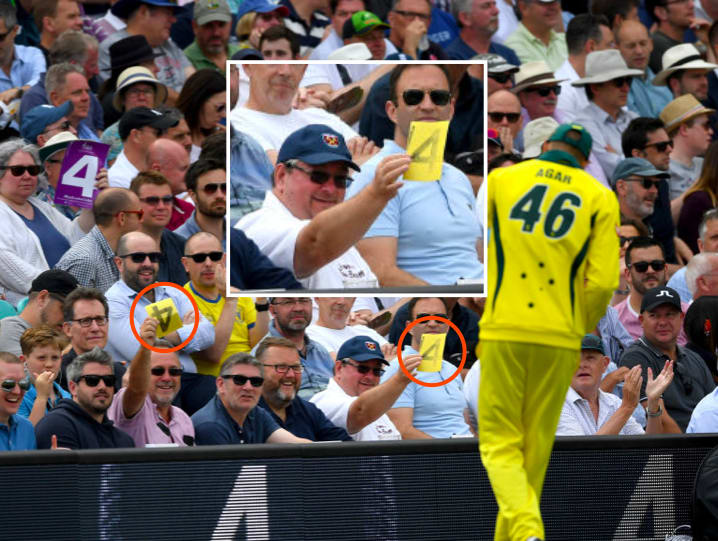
point(316, 144)
point(360, 349)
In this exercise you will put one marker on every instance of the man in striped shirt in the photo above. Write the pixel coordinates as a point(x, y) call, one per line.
point(307, 22)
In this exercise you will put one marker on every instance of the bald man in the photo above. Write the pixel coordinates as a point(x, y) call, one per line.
point(504, 115)
point(172, 160)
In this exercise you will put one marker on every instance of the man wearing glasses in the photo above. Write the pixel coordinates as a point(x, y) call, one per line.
point(144, 407)
point(82, 423)
point(399, 247)
point(232, 416)
point(504, 116)
point(661, 319)
point(206, 182)
point(138, 260)
point(428, 412)
point(16, 433)
point(409, 21)
point(305, 225)
point(356, 399)
point(636, 183)
point(282, 378)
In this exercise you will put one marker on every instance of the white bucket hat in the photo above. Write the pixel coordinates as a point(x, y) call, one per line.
point(534, 74)
point(603, 66)
point(536, 133)
point(681, 57)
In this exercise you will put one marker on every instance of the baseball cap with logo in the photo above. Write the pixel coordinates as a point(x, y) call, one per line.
point(656, 296)
point(206, 11)
point(591, 341)
point(361, 349)
point(575, 135)
point(139, 117)
point(316, 144)
point(362, 22)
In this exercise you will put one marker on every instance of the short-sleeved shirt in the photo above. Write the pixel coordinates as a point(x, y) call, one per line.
point(305, 420)
point(53, 243)
point(143, 426)
point(438, 411)
point(577, 418)
point(198, 59)
point(17, 435)
point(244, 320)
point(629, 319)
point(91, 261)
point(529, 48)
point(335, 403)
point(705, 415)
point(122, 172)
point(682, 176)
point(11, 329)
point(214, 426)
point(310, 35)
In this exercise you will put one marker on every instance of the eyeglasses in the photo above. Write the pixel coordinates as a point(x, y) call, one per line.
point(201, 257)
point(320, 177)
point(646, 182)
point(154, 200)
point(501, 78)
point(87, 321)
point(292, 302)
point(8, 385)
point(364, 369)
point(240, 380)
point(414, 96)
point(173, 371)
point(661, 146)
point(139, 257)
point(62, 127)
point(284, 368)
point(140, 213)
point(642, 266)
point(497, 117)
point(413, 15)
point(623, 240)
point(618, 83)
point(149, 91)
point(212, 187)
point(431, 315)
point(93, 380)
point(544, 91)
point(19, 170)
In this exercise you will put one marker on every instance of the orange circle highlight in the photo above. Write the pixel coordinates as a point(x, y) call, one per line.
point(401, 361)
point(196, 318)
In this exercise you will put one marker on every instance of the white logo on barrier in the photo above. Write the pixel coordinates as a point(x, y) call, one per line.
point(86, 182)
point(247, 500)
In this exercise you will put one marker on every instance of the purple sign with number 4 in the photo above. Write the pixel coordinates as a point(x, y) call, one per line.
point(83, 160)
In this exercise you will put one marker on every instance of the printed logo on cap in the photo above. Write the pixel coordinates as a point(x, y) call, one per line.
point(664, 293)
point(330, 140)
point(370, 345)
point(213, 4)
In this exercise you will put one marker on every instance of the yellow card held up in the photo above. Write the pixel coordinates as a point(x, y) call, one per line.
point(165, 312)
point(432, 352)
point(426, 147)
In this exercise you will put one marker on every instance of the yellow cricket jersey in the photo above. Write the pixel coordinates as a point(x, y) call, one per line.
point(239, 340)
point(552, 252)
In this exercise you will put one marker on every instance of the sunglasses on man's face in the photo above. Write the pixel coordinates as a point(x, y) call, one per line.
point(155, 200)
point(93, 380)
point(646, 182)
point(661, 146)
point(19, 170)
point(364, 369)
point(201, 257)
point(321, 177)
point(240, 380)
point(500, 78)
point(211, 188)
point(642, 266)
point(139, 257)
point(498, 117)
point(618, 83)
point(8, 385)
point(174, 371)
point(415, 96)
point(544, 91)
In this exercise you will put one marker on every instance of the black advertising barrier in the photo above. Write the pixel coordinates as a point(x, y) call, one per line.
point(598, 488)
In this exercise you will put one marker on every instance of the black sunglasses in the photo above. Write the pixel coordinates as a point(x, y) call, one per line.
point(93, 380)
point(646, 182)
point(500, 78)
point(320, 177)
point(623, 240)
point(240, 380)
point(414, 96)
point(160, 371)
point(544, 91)
point(642, 266)
point(618, 83)
point(19, 170)
point(213, 186)
point(154, 200)
point(201, 257)
point(62, 127)
point(364, 369)
point(139, 257)
point(498, 117)
point(8, 385)
point(661, 146)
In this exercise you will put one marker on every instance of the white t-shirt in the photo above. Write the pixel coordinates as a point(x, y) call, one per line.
point(122, 172)
point(270, 131)
point(274, 230)
point(334, 402)
point(332, 339)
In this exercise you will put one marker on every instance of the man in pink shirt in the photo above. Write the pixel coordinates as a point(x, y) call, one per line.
point(143, 408)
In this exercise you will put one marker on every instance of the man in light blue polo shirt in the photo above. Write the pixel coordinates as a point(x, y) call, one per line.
point(427, 234)
point(428, 412)
point(21, 66)
point(16, 433)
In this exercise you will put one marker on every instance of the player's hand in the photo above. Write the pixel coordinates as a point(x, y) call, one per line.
point(411, 363)
point(102, 180)
point(656, 387)
point(148, 330)
point(385, 185)
point(43, 383)
point(632, 387)
point(361, 149)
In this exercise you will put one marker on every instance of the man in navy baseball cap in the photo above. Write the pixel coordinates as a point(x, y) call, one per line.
point(316, 144)
point(41, 123)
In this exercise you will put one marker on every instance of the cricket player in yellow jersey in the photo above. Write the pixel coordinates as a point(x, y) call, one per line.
point(553, 265)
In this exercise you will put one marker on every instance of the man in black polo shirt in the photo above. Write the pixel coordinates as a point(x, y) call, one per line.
point(661, 318)
point(283, 376)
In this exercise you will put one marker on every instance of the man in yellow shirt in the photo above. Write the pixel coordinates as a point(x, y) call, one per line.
point(239, 322)
point(553, 265)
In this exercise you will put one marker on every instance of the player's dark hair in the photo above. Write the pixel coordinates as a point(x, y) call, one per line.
point(582, 28)
point(642, 242)
point(401, 68)
point(636, 134)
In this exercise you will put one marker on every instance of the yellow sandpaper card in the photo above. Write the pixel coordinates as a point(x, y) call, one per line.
point(426, 147)
point(165, 312)
point(432, 352)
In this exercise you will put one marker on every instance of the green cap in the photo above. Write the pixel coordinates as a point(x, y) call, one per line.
point(575, 135)
point(360, 23)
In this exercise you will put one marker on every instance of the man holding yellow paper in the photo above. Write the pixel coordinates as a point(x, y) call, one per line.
point(428, 412)
point(428, 233)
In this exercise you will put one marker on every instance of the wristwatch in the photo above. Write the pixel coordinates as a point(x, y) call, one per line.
point(262, 307)
point(655, 413)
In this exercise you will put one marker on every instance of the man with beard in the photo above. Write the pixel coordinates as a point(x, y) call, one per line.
point(636, 183)
point(282, 378)
point(206, 182)
point(645, 268)
point(291, 317)
point(144, 408)
point(478, 21)
point(212, 24)
point(82, 423)
point(138, 261)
